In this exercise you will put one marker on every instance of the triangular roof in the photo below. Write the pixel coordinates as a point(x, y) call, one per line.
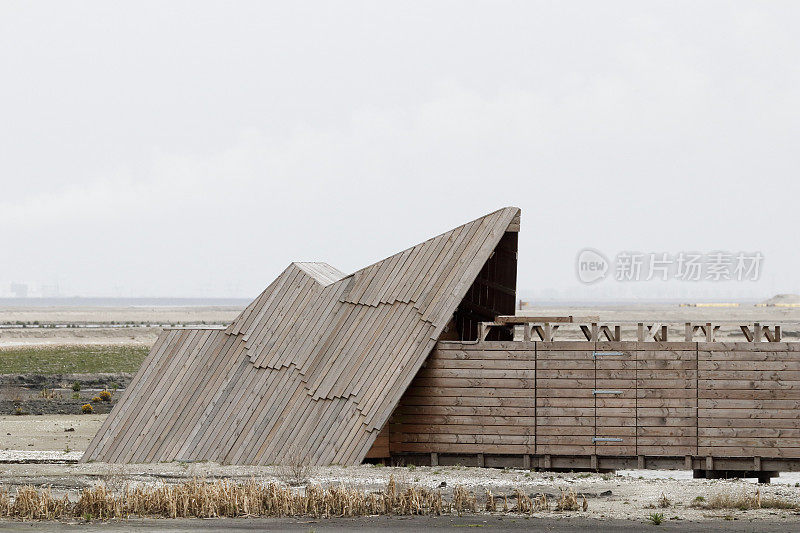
point(313, 367)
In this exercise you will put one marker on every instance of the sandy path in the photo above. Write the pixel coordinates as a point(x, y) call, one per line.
point(48, 432)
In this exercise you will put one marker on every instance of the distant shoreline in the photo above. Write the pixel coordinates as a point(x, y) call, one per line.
point(124, 302)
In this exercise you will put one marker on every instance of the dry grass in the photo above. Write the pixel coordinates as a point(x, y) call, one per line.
point(664, 502)
point(203, 499)
point(32, 504)
point(743, 501)
point(569, 501)
point(524, 504)
point(294, 470)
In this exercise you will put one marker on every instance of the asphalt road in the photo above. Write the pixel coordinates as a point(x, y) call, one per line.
point(403, 525)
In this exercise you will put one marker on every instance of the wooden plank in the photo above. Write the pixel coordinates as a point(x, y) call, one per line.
point(466, 401)
point(466, 448)
point(462, 410)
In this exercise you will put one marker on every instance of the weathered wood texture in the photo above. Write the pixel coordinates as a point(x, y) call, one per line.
point(316, 364)
point(671, 399)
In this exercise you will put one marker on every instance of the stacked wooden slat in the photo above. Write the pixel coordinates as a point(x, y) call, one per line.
point(565, 410)
point(615, 396)
point(749, 399)
point(670, 399)
point(468, 401)
point(666, 398)
point(313, 367)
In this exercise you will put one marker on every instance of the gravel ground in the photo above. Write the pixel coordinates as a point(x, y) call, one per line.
point(608, 496)
point(629, 495)
point(59, 433)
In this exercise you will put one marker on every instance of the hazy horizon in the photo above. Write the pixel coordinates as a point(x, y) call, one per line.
point(195, 149)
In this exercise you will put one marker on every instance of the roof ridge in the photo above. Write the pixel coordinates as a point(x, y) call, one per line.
point(451, 230)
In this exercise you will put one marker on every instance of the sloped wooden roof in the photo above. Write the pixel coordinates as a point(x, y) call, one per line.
point(313, 367)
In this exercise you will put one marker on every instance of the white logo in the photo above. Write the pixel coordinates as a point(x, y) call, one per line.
point(592, 266)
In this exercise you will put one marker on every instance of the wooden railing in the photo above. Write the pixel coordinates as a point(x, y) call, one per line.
point(538, 328)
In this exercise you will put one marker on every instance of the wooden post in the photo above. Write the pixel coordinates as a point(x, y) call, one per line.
point(526, 462)
point(688, 462)
point(640, 332)
point(689, 332)
point(640, 462)
point(594, 462)
point(481, 460)
point(756, 332)
point(709, 333)
point(434, 459)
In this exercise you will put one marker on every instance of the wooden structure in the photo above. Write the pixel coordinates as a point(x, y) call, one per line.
point(708, 406)
point(414, 359)
point(314, 367)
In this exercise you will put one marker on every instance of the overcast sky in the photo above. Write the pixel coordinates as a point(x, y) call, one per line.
point(196, 148)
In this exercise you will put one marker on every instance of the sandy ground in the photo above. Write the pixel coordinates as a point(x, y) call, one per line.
point(48, 432)
point(95, 323)
point(95, 315)
point(608, 496)
point(138, 336)
point(632, 493)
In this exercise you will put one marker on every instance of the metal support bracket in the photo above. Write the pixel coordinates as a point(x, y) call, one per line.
point(597, 354)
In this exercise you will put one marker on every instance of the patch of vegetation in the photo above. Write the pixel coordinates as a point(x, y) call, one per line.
point(105, 396)
point(71, 359)
point(87, 409)
point(663, 501)
point(76, 387)
point(743, 501)
point(656, 518)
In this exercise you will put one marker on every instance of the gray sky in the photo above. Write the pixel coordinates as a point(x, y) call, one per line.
point(196, 148)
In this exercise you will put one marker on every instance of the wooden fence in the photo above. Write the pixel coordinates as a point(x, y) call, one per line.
point(572, 404)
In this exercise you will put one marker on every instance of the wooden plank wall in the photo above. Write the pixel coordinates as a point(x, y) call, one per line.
point(564, 399)
point(749, 399)
point(624, 399)
point(468, 401)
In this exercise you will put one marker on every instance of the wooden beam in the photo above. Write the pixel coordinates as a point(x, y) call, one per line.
point(513, 319)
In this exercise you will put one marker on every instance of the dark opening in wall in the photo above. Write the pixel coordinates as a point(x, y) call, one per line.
point(493, 293)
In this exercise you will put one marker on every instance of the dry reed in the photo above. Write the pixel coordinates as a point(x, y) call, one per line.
point(222, 498)
point(744, 501)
